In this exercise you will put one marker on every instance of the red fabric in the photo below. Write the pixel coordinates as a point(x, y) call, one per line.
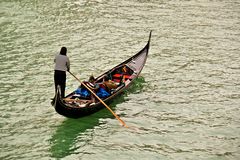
point(102, 86)
point(117, 75)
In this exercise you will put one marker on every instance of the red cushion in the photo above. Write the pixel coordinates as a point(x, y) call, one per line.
point(117, 75)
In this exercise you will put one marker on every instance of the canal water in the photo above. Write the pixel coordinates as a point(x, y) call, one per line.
point(185, 104)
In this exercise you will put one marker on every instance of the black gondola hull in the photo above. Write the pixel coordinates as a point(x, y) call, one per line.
point(77, 112)
point(136, 63)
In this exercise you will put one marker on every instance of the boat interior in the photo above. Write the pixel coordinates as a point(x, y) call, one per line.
point(104, 86)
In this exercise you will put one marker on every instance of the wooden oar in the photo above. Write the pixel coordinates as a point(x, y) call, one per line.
point(123, 123)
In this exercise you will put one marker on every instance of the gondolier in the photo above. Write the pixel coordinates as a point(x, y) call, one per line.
point(62, 64)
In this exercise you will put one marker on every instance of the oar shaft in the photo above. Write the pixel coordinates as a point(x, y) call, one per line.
point(123, 123)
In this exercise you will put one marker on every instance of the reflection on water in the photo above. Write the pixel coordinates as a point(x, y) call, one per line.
point(64, 140)
point(137, 86)
point(68, 136)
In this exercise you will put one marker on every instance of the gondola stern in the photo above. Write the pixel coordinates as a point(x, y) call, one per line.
point(57, 99)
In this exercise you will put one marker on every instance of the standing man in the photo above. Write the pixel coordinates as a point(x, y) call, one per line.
point(62, 64)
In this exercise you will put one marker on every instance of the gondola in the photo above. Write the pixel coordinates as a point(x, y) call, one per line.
point(80, 102)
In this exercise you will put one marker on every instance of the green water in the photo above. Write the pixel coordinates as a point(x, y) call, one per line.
point(184, 106)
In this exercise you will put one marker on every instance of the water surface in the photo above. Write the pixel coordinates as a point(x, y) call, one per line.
point(184, 106)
